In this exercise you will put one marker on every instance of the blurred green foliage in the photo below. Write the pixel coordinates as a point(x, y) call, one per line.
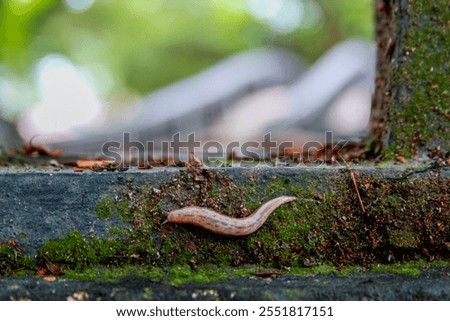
point(133, 47)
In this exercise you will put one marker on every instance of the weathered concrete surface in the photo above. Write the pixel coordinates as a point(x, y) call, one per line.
point(39, 205)
point(36, 206)
point(410, 106)
point(430, 285)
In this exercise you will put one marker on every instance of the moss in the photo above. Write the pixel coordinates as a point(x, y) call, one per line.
point(110, 252)
point(319, 269)
point(419, 110)
point(112, 274)
point(12, 260)
point(404, 238)
point(306, 233)
point(118, 231)
point(105, 208)
point(124, 210)
point(209, 273)
point(14, 158)
point(174, 275)
point(289, 237)
point(324, 231)
point(182, 274)
point(72, 252)
point(405, 269)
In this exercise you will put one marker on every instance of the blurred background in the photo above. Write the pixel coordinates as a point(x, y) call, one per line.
point(63, 63)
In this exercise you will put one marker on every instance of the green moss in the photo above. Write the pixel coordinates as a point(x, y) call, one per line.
point(118, 231)
point(112, 274)
point(404, 238)
point(72, 252)
point(421, 94)
point(105, 208)
point(110, 252)
point(301, 233)
point(14, 158)
point(209, 273)
point(174, 275)
point(304, 236)
point(182, 274)
point(288, 237)
point(124, 210)
point(406, 269)
point(12, 260)
point(319, 269)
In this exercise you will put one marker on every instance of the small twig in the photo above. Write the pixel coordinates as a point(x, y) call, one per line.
point(361, 205)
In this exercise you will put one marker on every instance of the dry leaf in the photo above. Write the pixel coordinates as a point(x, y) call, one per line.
point(30, 150)
point(401, 159)
point(95, 165)
point(52, 268)
point(194, 161)
point(41, 271)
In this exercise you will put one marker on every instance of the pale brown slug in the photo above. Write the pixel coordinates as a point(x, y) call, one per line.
point(223, 224)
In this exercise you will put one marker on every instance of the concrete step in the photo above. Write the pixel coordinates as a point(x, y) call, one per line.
point(102, 223)
point(36, 206)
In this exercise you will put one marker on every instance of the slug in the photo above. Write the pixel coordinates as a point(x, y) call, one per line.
point(223, 224)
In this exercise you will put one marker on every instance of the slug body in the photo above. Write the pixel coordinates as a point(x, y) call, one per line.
point(225, 225)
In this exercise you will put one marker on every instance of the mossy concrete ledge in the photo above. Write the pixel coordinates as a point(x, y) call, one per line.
point(410, 114)
point(82, 221)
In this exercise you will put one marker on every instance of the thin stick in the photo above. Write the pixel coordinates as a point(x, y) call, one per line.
point(361, 205)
